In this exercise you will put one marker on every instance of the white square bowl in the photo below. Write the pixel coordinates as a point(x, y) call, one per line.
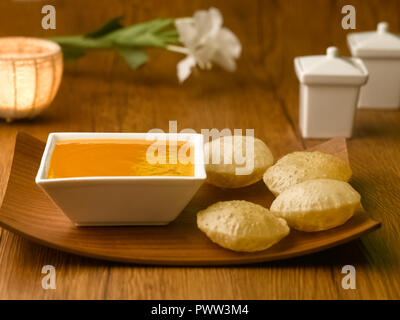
point(128, 200)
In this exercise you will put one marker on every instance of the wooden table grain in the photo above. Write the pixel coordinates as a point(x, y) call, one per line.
point(99, 93)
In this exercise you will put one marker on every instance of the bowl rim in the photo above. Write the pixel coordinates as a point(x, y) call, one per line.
point(196, 138)
point(54, 49)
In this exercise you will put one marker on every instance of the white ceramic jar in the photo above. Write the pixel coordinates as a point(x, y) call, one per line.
point(380, 52)
point(329, 89)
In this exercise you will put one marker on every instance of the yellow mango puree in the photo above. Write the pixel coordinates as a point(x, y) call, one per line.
point(111, 157)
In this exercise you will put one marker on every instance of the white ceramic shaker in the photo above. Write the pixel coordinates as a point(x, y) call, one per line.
point(329, 89)
point(380, 52)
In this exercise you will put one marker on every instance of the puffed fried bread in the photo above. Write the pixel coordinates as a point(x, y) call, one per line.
point(241, 226)
point(316, 205)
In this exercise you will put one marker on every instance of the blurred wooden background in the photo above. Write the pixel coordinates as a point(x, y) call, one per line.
point(100, 93)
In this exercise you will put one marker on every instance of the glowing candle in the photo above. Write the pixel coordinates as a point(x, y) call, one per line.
point(30, 75)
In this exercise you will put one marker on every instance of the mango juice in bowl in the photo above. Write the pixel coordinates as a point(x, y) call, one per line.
point(109, 179)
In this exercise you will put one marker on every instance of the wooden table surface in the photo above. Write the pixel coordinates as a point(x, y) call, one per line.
point(99, 93)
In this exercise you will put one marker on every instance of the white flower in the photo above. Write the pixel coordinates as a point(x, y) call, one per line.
point(206, 42)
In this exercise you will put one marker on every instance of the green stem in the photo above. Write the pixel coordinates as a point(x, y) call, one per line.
point(84, 42)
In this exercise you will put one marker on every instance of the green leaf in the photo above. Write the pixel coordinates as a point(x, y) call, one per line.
point(147, 34)
point(129, 32)
point(127, 41)
point(169, 33)
point(160, 24)
point(72, 53)
point(110, 26)
point(135, 58)
point(141, 41)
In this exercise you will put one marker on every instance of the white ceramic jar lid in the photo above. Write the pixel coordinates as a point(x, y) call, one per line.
point(379, 44)
point(330, 69)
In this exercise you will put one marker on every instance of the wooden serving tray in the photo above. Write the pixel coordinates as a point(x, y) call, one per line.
point(28, 211)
